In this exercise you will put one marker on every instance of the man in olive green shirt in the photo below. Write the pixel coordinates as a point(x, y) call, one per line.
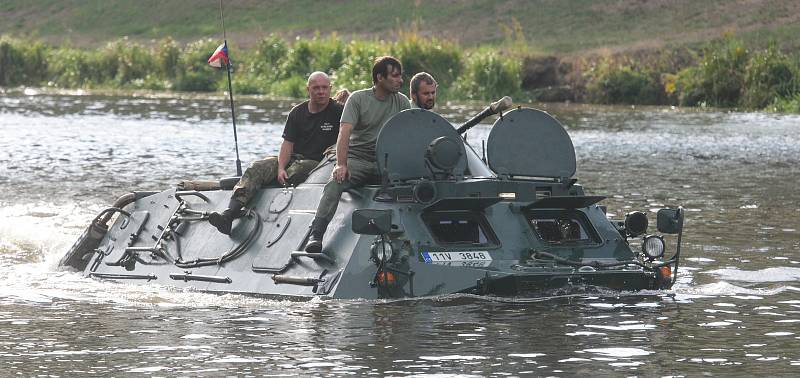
point(365, 113)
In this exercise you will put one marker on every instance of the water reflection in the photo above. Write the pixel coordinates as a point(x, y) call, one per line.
point(733, 312)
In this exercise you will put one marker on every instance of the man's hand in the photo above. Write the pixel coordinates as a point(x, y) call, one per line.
point(283, 177)
point(340, 173)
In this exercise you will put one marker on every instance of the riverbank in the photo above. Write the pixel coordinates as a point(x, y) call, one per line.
point(724, 73)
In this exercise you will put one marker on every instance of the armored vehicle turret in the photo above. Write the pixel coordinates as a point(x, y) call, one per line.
point(512, 221)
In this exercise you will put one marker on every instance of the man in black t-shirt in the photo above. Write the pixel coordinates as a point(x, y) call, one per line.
point(311, 127)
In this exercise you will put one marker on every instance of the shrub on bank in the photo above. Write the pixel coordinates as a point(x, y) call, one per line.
point(126, 62)
point(686, 87)
point(441, 59)
point(308, 55)
point(611, 83)
point(71, 68)
point(22, 61)
point(356, 69)
point(194, 73)
point(168, 58)
point(789, 104)
point(719, 79)
point(723, 69)
point(269, 55)
point(769, 76)
point(488, 76)
point(294, 86)
point(730, 76)
point(10, 60)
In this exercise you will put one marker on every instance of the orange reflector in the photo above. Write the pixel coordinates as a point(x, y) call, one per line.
point(666, 271)
point(386, 278)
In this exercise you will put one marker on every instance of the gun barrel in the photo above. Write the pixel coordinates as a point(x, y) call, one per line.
point(496, 107)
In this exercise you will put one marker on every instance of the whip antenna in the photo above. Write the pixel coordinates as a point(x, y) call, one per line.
point(230, 91)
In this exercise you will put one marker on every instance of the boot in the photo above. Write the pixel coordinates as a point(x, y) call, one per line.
point(314, 243)
point(224, 221)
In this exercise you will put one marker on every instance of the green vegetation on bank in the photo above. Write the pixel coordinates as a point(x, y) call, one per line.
point(275, 67)
point(725, 73)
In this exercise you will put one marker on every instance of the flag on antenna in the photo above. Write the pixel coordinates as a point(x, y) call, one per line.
point(220, 56)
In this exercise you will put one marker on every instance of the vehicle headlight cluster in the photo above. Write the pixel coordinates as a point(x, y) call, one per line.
point(653, 246)
point(635, 223)
point(382, 250)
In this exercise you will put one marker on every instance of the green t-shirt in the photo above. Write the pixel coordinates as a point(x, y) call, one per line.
point(368, 114)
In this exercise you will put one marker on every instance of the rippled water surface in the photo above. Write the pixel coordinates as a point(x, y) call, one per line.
point(734, 311)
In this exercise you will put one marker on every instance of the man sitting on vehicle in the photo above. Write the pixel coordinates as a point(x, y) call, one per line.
point(365, 113)
point(310, 128)
point(422, 91)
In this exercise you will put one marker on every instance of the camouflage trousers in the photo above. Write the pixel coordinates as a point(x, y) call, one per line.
point(264, 172)
point(361, 172)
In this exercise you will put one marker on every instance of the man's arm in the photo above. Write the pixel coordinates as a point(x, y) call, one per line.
point(284, 156)
point(342, 145)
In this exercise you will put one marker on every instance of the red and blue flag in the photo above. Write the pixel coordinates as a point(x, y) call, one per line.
point(220, 56)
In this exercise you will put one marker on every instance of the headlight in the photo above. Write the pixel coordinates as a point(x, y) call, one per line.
point(635, 223)
point(382, 251)
point(653, 246)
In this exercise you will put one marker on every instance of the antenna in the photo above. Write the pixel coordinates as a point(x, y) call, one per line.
point(230, 91)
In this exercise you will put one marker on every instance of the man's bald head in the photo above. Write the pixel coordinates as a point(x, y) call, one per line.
point(319, 90)
point(317, 75)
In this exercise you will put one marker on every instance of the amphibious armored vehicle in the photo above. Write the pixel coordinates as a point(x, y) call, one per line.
point(510, 221)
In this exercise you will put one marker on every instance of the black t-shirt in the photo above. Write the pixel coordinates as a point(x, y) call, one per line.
point(312, 133)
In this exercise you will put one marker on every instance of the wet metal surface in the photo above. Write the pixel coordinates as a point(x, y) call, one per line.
point(734, 311)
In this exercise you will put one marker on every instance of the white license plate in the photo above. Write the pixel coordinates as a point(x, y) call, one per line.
point(451, 257)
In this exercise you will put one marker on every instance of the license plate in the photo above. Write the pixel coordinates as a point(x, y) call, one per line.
point(451, 257)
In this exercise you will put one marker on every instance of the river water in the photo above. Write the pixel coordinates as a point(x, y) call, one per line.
point(734, 311)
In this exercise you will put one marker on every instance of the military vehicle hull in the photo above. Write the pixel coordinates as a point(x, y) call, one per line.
point(449, 228)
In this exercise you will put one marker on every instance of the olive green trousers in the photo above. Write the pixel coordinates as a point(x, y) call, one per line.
point(360, 173)
point(264, 172)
